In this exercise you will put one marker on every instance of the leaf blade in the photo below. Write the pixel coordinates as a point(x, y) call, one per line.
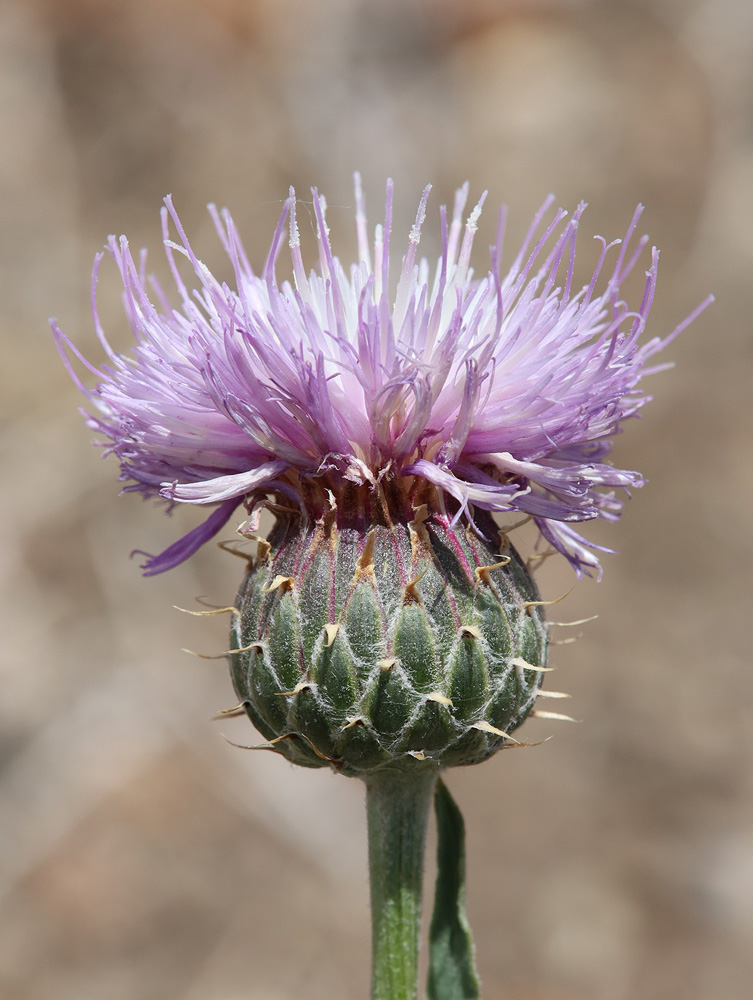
point(452, 956)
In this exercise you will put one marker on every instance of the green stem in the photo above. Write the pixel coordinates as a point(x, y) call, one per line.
point(398, 810)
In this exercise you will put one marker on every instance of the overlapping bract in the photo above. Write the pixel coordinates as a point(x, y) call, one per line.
point(503, 391)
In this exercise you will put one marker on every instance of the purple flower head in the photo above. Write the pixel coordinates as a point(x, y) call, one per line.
point(502, 391)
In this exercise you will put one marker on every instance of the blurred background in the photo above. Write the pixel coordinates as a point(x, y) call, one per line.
point(141, 856)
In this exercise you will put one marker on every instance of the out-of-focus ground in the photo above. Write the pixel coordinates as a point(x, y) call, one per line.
point(141, 856)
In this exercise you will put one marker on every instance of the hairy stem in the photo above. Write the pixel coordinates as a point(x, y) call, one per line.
point(397, 809)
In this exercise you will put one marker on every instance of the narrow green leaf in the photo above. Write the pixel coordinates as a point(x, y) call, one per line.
point(452, 960)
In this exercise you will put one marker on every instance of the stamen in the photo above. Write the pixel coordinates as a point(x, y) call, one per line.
point(299, 272)
point(364, 254)
point(471, 227)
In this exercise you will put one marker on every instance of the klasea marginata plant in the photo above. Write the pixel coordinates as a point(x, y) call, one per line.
point(384, 413)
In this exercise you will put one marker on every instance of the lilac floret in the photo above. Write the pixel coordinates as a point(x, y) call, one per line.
point(502, 391)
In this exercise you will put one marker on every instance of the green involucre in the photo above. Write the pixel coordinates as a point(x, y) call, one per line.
point(401, 646)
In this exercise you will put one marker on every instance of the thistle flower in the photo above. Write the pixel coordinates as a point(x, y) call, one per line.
point(387, 628)
point(503, 392)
